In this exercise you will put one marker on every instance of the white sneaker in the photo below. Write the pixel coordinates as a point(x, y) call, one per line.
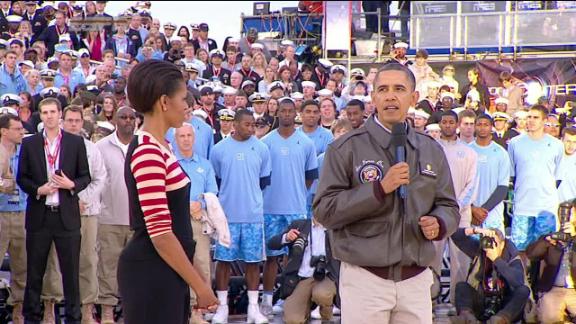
point(316, 313)
point(266, 309)
point(336, 311)
point(254, 315)
point(278, 307)
point(221, 316)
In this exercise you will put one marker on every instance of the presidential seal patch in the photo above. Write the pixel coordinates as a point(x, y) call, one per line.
point(370, 172)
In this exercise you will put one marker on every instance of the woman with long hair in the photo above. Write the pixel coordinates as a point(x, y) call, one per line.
point(109, 108)
point(25, 32)
point(184, 33)
point(476, 82)
point(25, 111)
point(155, 272)
point(285, 76)
point(66, 92)
point(90, 8)
point(95, 43)
point(269, 77)
point(202, 55)
point(271, 110)
point(327, 112)
point(259, 64)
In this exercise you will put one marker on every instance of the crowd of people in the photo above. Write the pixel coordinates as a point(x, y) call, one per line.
point(258, 125)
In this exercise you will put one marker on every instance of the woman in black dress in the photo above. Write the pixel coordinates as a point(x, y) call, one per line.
point(155, 269)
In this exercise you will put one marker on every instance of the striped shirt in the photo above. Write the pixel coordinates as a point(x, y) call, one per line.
point(156, 172)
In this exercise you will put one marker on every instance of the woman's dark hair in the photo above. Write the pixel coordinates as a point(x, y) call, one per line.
point(187, 32)
point(150, 80)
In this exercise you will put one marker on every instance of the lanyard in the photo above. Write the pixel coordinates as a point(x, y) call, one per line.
point(215, 72)
point(52, 157)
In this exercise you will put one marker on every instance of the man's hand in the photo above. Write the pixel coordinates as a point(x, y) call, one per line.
point(292, 235)
point(479, 214)
point(551, 240)
point(569, 229)
point(397, 175)
point(429, 226)
point(82, 206)
point(62, 182)
point(46, 189)
point(196, 210)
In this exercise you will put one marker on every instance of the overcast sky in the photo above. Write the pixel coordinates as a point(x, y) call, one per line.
point(223, 17)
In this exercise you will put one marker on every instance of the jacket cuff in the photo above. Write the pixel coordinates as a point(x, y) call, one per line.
point(442, 231)
point(379, 192)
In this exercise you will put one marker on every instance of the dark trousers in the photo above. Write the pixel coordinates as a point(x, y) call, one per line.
point(372, 20)
point(469, 298)
point(38, 244)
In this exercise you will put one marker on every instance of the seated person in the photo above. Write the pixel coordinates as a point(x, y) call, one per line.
point(495, 290)
point(556, 285)
point(310, 274)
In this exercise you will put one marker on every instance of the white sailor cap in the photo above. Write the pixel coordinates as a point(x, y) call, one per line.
point(191, 67)
point(83, 51)
point(8, 111)
point(28, 63)
point(401, 45)
point(357, 71)
point(200, 113)
point(338, 68)
point(421, 113)
point(14, 19)
point(411, 110)
point(325, 93)
point(10, 99)
point(48, 73)
point(447, 94)
point(308, 84)
point(105, 125)
point(49, 92)
point(501, 116)
point(64, 38)
point(247, 83)
point(257, 97)
point(275, 85)
point(432, 127)
point(521, 114)
point(433, 84)
point(287, 42)
point(226, 114)
point(297, 95)
point(170, 25)
point(16, 40)
point(257, 46)
point(216, 51)
point(325, 63)
point(229, 91)
point(285, 99)
point(501, 100)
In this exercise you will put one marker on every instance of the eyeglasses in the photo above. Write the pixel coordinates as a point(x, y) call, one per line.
point(552, 125)
point(127, 117)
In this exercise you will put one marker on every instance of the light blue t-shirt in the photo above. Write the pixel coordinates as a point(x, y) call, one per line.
point(314, 186)
point(201, 174)
point(293, 162)
point(240, 166)
point(536, 165)
point(204, 137)
point(493, 170)
point(567, 189)
point(76, 78)
point(321, 138)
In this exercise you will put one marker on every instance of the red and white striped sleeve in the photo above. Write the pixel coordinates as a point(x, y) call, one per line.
point(148, 166)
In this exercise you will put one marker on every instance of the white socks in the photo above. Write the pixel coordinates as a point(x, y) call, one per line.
point(223, 297)
point(253, 297)
point(267, 299)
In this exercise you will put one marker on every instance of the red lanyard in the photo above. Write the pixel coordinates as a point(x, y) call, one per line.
point(216, 73)
point(52, 157)
point(321, 79)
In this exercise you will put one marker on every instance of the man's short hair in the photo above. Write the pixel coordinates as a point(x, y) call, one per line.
point(241, 113)
point(341, 124)
point(10, 52)
point(73, 108)
point(49, 101)
point(356, 103)
point(487, 117)
point(310, 103)
point(5, 120)
point(398, 67)
point(571, 131)
point(469, 113)
point(543, 111)
point(449, 113)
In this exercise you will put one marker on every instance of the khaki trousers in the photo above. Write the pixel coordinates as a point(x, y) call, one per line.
point(13, 241)
point(202, 260)
point(297, 305)
point(52, 285)
point(553, 305)
point(111, 241)
point(367, 298)
point(459, 264)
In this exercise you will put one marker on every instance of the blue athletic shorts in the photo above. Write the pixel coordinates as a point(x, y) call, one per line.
point(528, 229)
point(247, 244)
point(276, 225)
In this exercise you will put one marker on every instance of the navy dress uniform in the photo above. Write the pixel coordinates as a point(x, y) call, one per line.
point(226, 115)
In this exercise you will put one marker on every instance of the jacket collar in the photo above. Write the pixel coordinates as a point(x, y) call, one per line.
point(383, 136)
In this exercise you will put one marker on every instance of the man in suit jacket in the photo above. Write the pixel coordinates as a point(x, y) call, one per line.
point(203, 41)
point(51, 35)
point(36, 19)
point(53, 169)
point(215, 69)
point(302, 281)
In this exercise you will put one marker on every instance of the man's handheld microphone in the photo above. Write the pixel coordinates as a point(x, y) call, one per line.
point(399, 143)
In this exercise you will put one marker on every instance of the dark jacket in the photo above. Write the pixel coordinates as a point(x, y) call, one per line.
point(224, 75)
point(211, 45)
point(552, 256)
point(290, 274)
point(130, 48)
point(508, 266)
point(482, 90)
point(505, 139)
point(32, 174)
point(51, 37)
point(369, 227)
point(38, 22)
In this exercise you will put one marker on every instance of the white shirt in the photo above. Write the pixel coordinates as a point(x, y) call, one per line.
point(91, 196)
point(52, 199)
point(316, 246)
point(123, 147)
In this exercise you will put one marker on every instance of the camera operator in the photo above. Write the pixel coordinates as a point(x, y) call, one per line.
point(556, 284)
point(495, 290)
point(310, 274)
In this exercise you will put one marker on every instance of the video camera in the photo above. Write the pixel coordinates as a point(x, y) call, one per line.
point(565, 214)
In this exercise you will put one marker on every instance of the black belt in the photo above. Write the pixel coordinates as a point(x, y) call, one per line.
point(53, 209)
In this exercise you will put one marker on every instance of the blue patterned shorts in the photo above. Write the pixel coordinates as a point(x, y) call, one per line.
point(528, 229)
point(276, 225)
point(247, 244)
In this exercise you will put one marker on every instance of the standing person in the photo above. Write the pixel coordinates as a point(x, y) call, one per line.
point(467, 120)
point(493, 177)
point(462, 161)
point(66, 75)
point(242, 165)
point(12, 208)
point(311, 126)
point(476, 83)
point(90, 208)
point(226, 117)
point(513, 93)
point(383, 280)
point(10, 77)
point(567, 189)
point(203, 180)
point(535, 159)
point(295, 167)
point(162, 246)
point(53, 169)
point(355, 113)
point(113, 223)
